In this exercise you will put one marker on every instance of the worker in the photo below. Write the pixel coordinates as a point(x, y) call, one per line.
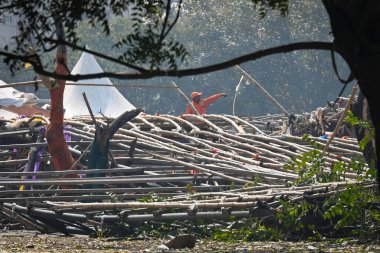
point(202, 104)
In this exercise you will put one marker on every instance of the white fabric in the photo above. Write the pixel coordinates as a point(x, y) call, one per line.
point(10, 96)
point(107, 100)
point(4, 114)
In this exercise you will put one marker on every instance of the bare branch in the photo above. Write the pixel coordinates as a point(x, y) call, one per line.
point(175, 20)
point(112, 59)
point(7, 7)
point(184, 72)
point(163, 33)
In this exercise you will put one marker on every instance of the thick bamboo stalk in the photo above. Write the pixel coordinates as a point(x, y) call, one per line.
point(126, 191)
point(178, 128)
point(78, 181)
point(183, 121)
point(134, 218)
point(209, 159)
point(90, 197)
point(93, 171)
point(242, 121)
point(156, 129)
point(156, 205)
point(14, 132)
point(238, 129)
point(203, 120)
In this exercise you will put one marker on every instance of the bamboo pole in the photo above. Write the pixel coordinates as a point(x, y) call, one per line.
point(78, 181)
point(89, 109)
point(185, 97)
point(183, 121)
point(342, 117)
point(166, 205)
point(134, 218)
point(27, 223)
point(262, 90)
point(180, 152)
point(238, 129)
point(93, 171)
point(126, 191)
point(161, 133)
point(246, 123)
point(236, 93)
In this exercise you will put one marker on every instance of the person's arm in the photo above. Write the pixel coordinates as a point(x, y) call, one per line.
point(212, 98)
point(188, 110)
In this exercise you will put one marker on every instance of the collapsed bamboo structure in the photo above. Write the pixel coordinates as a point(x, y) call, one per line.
point(209, 167)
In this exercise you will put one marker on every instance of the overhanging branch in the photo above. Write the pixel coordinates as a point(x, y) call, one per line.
point(106, 57)
point(184, 72)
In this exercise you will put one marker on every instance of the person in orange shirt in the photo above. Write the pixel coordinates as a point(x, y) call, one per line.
point(202, 104)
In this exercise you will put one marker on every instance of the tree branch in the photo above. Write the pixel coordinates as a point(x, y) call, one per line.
point(175, 20)
point(165, 22)
point(84, 49)
point(8, 7)
point(184, 72)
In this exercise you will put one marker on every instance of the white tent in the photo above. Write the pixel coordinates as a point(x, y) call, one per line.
point(107, 100)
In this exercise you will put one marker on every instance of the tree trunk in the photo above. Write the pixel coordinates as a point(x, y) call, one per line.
point(360, 110)
point(60, 154)
point(356, 28)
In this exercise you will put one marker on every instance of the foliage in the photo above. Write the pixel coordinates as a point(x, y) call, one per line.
point(145, 46)
point(355, 121)
point(152, 197)
point(347, 207)
point(311, 167)
point(210, 37)
point(264, 5)
point(214, 31)
point(352, 207)
point(117, 229)
point(247, 230)
point(113, 197)
point(157, 229)
point(363, 125)
point(300, 219)
point(347, 212)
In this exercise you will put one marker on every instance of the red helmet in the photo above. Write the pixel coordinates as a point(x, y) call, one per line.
point(196, 94)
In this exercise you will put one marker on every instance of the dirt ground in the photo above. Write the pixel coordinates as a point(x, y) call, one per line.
point(26, 241)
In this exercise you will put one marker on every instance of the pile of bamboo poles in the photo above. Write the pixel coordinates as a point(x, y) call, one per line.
point(209, 167)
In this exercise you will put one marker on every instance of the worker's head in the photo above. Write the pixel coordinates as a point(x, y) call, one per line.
point(196, 96)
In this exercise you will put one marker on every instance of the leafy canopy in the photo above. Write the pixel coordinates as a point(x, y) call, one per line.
point(146, 47)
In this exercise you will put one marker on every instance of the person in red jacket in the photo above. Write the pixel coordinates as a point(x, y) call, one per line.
point(202, 104)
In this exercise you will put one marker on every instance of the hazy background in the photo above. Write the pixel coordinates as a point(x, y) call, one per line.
point(218, 30)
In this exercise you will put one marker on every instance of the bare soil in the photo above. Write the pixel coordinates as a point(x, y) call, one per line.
point(26, 241)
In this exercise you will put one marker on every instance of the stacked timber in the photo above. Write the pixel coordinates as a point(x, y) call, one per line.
point(208, 167)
